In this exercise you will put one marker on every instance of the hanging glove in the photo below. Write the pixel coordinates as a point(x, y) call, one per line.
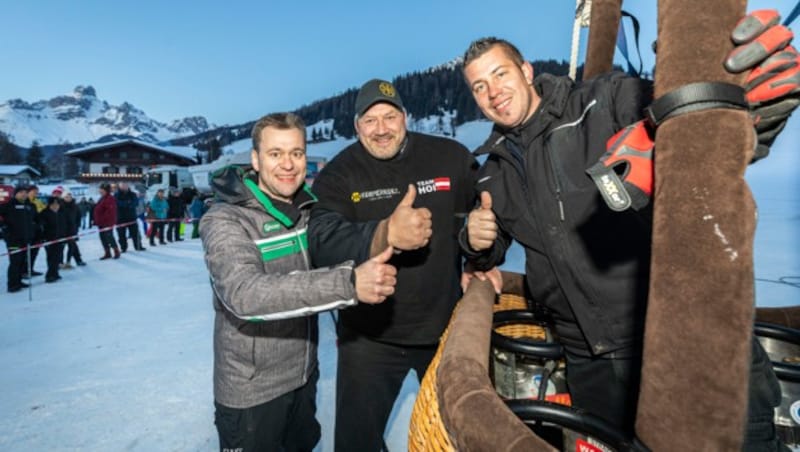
point(773, 85)
point(624, 174)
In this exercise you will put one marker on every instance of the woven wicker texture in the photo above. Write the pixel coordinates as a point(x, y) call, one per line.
point(426, 431)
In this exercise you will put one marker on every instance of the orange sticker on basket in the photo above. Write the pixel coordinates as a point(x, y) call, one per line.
point(562, 398)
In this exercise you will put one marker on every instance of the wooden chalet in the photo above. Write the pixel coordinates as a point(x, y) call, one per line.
point(127, 160)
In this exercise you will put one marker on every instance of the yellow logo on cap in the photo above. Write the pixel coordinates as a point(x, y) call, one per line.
point(355, 197)
point(387, 89)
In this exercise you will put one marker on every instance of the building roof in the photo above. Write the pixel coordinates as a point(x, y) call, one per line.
point(179, 151)
point(14, 170)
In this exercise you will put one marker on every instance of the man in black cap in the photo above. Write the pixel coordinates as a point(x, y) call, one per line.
point(410, 191)
point(18, 216)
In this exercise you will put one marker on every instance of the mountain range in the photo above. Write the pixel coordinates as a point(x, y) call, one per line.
point(81, 117)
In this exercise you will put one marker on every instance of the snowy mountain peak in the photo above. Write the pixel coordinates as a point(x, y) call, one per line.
point(81, 117)
point(84, 91)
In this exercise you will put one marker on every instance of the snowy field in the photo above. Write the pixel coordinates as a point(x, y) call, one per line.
point(117, 356)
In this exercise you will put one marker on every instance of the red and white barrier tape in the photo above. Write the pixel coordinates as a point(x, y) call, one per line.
point(66, 239)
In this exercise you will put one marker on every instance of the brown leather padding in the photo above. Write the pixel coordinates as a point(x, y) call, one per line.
point(700, 312)
point(788, 316)
point(603, 30)
point(472, 412)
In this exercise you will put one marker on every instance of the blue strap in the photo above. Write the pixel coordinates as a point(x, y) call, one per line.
point(792, 15)
point(622, 43)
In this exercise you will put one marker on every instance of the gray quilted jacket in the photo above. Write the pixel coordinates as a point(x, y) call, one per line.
point(265, 296)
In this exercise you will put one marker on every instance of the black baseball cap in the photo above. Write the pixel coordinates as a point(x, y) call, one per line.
point(375, 91)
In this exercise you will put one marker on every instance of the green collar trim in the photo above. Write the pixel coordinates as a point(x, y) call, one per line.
point(264, 200)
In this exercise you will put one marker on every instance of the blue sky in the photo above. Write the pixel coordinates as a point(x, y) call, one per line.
point(234, 61)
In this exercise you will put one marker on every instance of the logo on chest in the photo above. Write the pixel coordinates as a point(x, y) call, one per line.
point(433, 185)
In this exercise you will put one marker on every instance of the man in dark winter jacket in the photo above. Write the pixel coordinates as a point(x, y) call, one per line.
point(266, 296)
point(410, 191)
point(126, 218)
point(175, 213)
point(54, 228)
point(534, 189)
point(18, 216)
point(73, 215)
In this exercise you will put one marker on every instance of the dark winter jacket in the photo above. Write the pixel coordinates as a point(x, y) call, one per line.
point(588, 264)
point(54, 224)
point(72, 213)
point(19, 219)
point(265, 296)
point(126, 206)
point(357, 191)
point(177, 208)
point(105, 212)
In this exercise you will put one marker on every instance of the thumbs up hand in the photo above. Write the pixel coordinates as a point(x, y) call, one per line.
point(409, 228)
point(482, 225)
point(375, 278)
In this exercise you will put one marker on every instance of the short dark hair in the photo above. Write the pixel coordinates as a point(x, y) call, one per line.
point(480, 46)
point(282, 121)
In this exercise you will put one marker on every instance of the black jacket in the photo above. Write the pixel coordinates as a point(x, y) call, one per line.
point(177, 208)
point(72, 213)
point(126, 206)
point(20, 221)
point(357, 191)
point(586, 263)
point(54, 224)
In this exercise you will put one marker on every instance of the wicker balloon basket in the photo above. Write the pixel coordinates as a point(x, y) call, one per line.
point(427, 431)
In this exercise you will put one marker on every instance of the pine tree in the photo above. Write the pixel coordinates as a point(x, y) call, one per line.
point(9, 155)
point(35, 157)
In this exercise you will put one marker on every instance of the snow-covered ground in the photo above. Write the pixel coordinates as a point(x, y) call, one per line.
point(118, 355)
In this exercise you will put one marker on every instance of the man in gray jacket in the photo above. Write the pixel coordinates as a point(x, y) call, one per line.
point(266, 297)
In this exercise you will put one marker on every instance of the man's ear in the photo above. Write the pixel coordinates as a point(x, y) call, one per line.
point(527, 70)
point(254, 159)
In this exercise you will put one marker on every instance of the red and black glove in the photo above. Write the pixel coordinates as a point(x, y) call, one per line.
point(624, 174)
point(773, 85)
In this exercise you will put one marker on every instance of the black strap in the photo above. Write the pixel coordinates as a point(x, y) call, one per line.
point(695, 97)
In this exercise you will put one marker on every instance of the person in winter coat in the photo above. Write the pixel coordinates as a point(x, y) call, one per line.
point(18, 216)
point(534, 189)
point(266, 296)
point(105, 217)
point(54, 227)
point(126, 218)
point(176, 213)
point(410, 191)
point(84, 207)
point(73, 215)
point(158, 210)
point(39, 205)
point(196, 210)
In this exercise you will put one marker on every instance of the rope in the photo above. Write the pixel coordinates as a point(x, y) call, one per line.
point(583, 14)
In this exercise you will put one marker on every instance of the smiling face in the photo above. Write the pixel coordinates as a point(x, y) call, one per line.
point(381, 130)
point(502, 88)
point(280, 161)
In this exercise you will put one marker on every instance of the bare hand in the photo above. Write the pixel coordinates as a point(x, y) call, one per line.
point(409, 228)
point(482, 225)
point(494, 276)
point(375, 279)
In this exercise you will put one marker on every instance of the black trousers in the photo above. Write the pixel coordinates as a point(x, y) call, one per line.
point(173, 230)
point(609, 388)
point(157, 232)
point(16, 268)
point(107, 239)
point(73, 252)
point(369, 376)
point(287, 423)
point(132, 231)
point(55, 253)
